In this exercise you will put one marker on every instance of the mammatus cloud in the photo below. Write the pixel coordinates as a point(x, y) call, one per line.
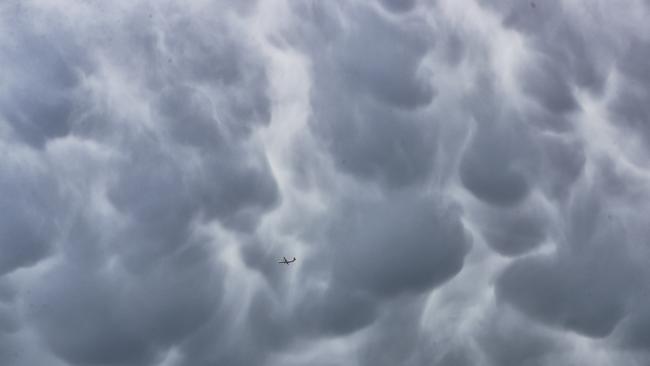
point(462, 182)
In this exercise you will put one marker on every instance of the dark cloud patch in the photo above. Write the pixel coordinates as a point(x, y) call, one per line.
point(552, 165)
point(257, 328)
point(456, 357)
point(97, 316)
point(7, 291)
point(497, 166)
point(399, 5)
point(40, 93)
point(187, 291)
point(379, 152)
point(80, 322)
point(508, 339)
point(563, 162)
point(8, 319)
point(454, 48)
point(337, 310)
point(421, 239)
point(166, 196)
point(397, 337)
point(568, 295)
point(30, 202)
point(546, 84)
point(586, 286)
point(545, 120)
point(373, 250)
point(628, 107)
point(517, 230)
point(245, 191)
point(382, 58)
point(634, 331)
point(190, 117)
point(630, 111)
point(8, 352)
point(368, 92)
point(157, 204)
point(214, 77)
point(633, 62)
point(570, 54)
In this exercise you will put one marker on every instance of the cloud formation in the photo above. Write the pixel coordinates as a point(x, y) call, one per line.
point(461, 182)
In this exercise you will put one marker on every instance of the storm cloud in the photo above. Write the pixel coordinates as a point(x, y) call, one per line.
point(461, 182)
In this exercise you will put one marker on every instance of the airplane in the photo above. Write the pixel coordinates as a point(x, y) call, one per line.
point(285, 261)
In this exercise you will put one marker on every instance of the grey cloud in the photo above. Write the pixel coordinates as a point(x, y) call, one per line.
point(159, 208)
point(135, 275)
point(77, 317)
point(629, 108)
point(139, 160)
point(496, 167)
point(634, 331)
point(563, 162)
point(7, 291)
point(517, 230)
point(544, 82)
point(368, 93)
point(372, 250)
point(456, 357)
point(396, 337)
point(223, 339)
point(8, 319)
point(633, 62)
point(587, 285)
point(29, 201)
point(382, 59)
point(393, 152)
point(567, 55)
point(399, 5)
point(552, 166)
point(338, 310)
point(39, 96)
point(570, 55)
point(563, 44)
point(95, 316)
point(165, 197)
point(569, 295)
point(8, 352)
point(454, 48)
point(507, 338)
point(422, 239)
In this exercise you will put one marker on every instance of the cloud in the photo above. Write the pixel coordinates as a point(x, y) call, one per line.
point(117, 189)
point(517, 230)
point(30, 201)
point(371, 75)
point(507, 338)
point(493, 170)
point(423, 241)
point(399, 5)
point(461, 182)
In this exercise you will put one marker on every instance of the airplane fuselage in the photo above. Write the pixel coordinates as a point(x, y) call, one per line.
point(285, 261)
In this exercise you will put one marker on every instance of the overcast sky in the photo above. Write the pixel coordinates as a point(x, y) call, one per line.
point(462, 182)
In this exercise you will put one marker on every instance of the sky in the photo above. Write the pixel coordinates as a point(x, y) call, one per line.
point(462, 182)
